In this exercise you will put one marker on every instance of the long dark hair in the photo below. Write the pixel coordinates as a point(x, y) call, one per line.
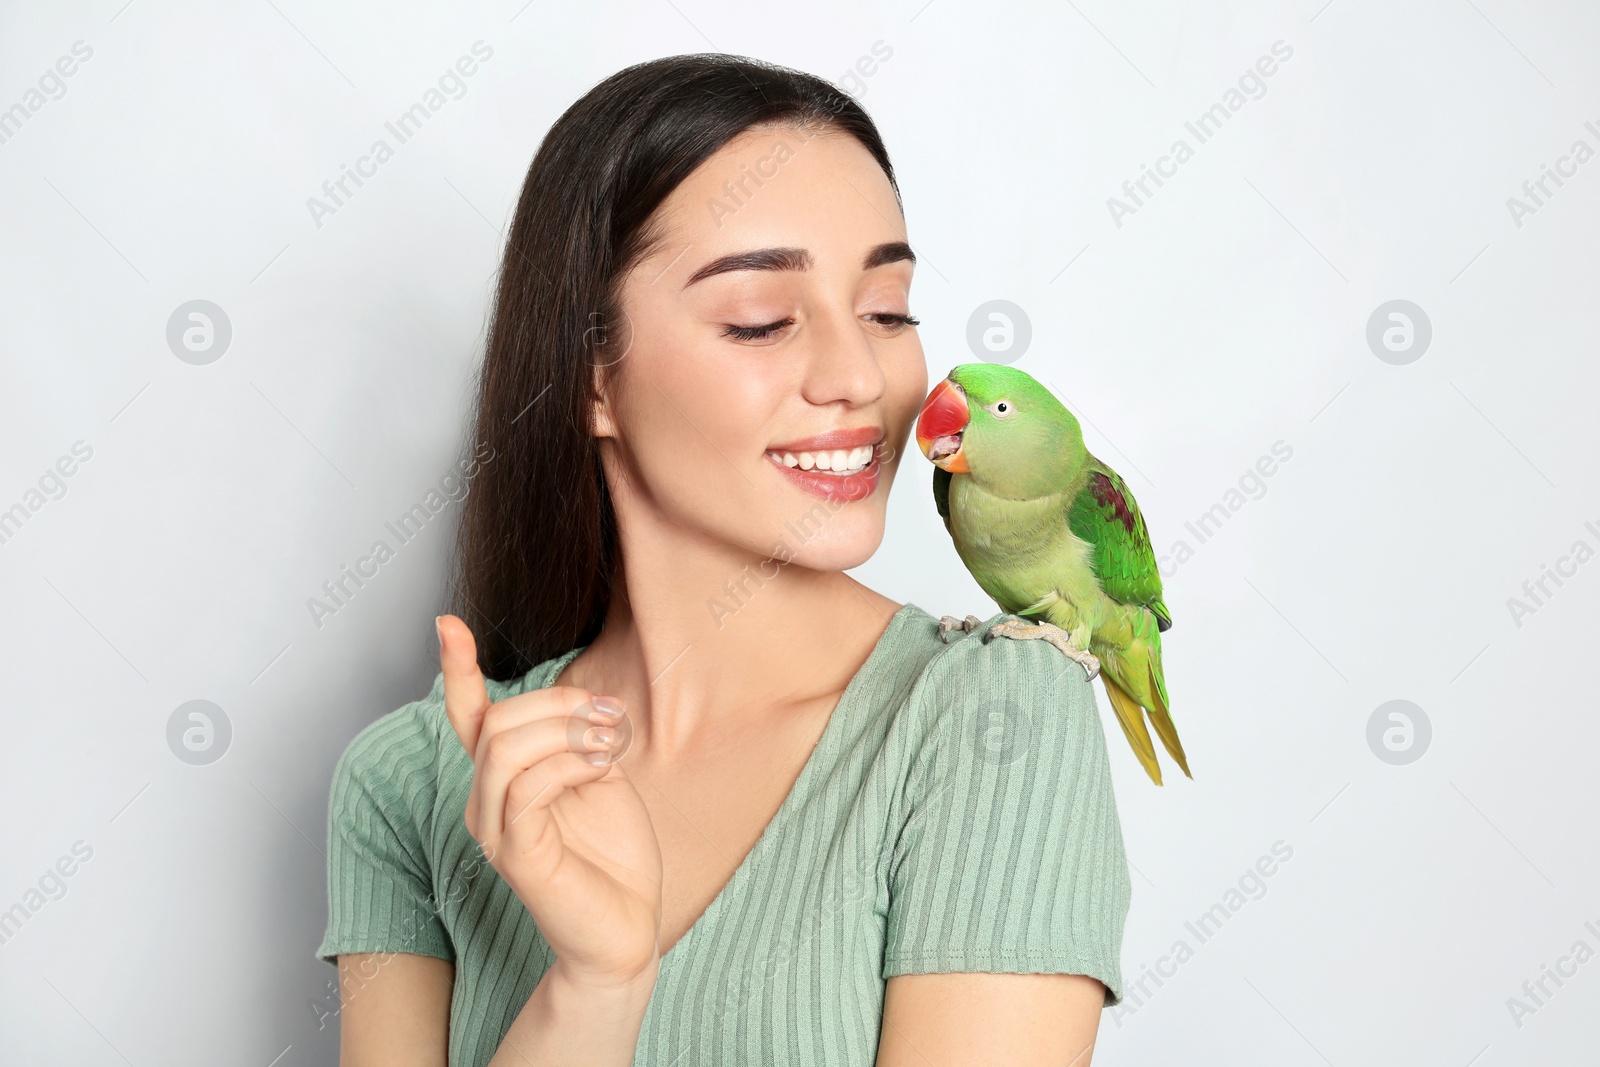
point(536, 550)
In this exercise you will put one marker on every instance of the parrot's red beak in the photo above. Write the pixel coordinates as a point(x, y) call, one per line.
point(939, 427)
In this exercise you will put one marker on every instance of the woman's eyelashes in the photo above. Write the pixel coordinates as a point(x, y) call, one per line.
point(892, 321)
point(755, 333)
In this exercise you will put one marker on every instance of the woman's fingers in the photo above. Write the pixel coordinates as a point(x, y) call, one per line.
point(530, 794)
point(559, 701)
point(509, 755)
point(536, 733)
point(466, 697)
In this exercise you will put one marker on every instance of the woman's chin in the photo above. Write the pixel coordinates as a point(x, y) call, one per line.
point(834, 542)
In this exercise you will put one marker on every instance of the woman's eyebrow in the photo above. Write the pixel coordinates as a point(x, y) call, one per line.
point(796, 259)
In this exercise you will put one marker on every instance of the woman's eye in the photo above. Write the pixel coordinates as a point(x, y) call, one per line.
point(755, 333)
point(894, 321)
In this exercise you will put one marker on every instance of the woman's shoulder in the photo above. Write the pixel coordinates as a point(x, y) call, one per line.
point(1007, 851)
point(966, 673)
point(385, 756)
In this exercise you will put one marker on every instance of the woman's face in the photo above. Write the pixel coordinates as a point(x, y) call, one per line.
point(736, 375)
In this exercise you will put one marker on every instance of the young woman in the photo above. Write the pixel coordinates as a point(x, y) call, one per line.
point(816, 833)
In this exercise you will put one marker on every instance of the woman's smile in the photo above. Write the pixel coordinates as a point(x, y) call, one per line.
point(838, 465)
point(853, 485)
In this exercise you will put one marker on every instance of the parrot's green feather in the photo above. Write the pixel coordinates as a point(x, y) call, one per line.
point(1105, 515)
point(1054, 534)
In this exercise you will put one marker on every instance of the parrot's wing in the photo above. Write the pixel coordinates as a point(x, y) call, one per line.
point(1105, 515)
point(941, 494)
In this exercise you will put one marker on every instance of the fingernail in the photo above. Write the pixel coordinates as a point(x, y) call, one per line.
point(439, 629)
point(608, 709)
point(597, 759)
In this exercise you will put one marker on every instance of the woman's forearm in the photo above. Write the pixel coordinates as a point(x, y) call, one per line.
point(570, 1022)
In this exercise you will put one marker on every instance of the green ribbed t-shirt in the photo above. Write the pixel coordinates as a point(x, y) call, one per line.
point(957, 814)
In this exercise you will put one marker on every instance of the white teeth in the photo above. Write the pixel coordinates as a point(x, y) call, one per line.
point(838, 461)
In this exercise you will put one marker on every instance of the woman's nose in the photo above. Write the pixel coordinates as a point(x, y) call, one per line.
point(842, 361)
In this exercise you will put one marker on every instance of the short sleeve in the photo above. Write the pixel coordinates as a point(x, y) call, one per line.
point(1010, 855)
point(380, 896)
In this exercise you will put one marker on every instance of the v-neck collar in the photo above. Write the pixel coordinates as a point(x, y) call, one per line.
point(798, 792)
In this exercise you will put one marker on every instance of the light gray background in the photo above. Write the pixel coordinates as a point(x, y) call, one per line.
point(1228, 313)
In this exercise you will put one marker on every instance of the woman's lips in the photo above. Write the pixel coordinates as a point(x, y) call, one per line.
point(847, 487)
point(846, 439)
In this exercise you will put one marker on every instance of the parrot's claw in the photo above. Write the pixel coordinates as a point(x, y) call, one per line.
point(950, 622)
point(1027, 631)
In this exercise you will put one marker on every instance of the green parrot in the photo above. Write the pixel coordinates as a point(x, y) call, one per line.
point(1053, 535)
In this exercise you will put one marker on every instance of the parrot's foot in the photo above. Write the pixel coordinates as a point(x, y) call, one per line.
point(950, 622)
point(1030, 631)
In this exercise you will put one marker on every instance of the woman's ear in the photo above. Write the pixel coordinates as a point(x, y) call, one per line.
point(611, 347)
point(600, 424)
point(600, 421)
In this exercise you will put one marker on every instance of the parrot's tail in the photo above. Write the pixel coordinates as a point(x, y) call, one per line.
point(1131, 716)
point(1163, 722)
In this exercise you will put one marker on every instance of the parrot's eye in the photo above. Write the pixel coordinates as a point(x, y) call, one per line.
point(1002, 408)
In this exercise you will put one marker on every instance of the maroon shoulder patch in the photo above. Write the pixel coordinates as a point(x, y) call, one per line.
point(1108, 496)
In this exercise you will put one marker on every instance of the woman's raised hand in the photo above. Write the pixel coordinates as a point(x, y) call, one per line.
point(571, 838)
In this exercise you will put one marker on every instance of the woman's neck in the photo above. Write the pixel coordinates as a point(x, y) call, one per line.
point(698, 648)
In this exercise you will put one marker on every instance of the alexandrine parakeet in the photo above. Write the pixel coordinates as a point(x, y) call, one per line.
point(1054, 535)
